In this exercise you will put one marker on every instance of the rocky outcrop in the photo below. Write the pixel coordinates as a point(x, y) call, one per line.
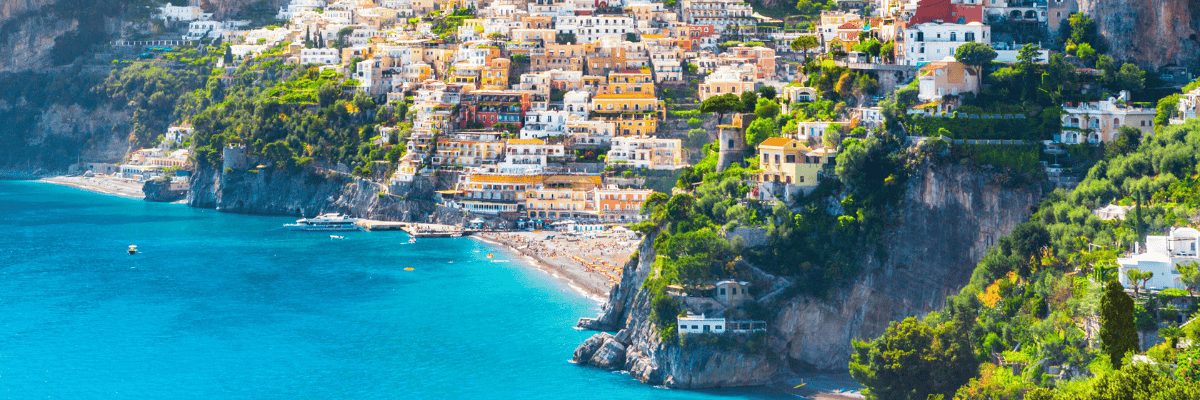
point(1152, 33)
point(951, 215)
point(311, 192)
point(160, 190)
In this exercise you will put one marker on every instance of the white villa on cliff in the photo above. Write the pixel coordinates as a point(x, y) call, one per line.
point(1161, 255)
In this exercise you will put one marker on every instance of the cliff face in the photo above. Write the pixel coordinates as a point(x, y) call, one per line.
point(309, 193)
point(1153, 33)
point(951, 215)
point(229, 8)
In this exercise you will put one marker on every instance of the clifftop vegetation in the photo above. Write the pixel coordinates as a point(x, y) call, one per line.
point(1031, 296)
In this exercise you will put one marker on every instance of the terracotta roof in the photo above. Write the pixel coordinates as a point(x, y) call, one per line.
point(775, 142)
point(931, 10)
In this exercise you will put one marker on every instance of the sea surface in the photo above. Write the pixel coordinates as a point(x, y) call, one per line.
point(225, 306)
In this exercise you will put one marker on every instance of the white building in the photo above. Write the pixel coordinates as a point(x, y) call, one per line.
point(172, 13)
point(693, 324)
point(545, 123)
point(528, 156)
point(718, 13)
point(591, 28)
point(320, 56)
point(1095, 122)
point(727, 79)
point(1161, 255)
point(643, 152)
point(1187, 106)
point(576, 102)
point(205, 29)
point(594, 133)
point(296, 7)
point(935, 41)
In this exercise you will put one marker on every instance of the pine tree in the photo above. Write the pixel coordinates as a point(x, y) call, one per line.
point(307, 37)
point(228, 56)
point(1140, 228)
point(1118, 331)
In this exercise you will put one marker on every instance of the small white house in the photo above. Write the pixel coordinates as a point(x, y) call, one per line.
point(701, 324)
point(1161, 255)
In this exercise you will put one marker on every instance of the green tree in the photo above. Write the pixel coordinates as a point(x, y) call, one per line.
point(1083, 29)
point(976, 55)
point(1118, 332)
point(767, 92)
point(721, 105)
point(228, 57)
point(766, 108)
point(1130, 78)
point(1027, 241)
point(804, 43)
point(759, 130)
point(1189, 276)
point(1167, 107)
point(1127, 141)
point(832, 137)
point(912, 361)
point(749, 101)
point(1134, 276)
point(1085, 52)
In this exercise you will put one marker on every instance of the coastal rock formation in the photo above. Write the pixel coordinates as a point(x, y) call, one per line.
point(311, 192)
point(611, 355)
point(1151, 33)
point(159, 190)
point(950, 216)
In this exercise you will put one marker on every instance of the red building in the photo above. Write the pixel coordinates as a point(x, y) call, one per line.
point(491, 107)
point(945, 11)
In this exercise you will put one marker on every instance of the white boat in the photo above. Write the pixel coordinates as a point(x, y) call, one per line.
point(325, 222)
point(412, 240)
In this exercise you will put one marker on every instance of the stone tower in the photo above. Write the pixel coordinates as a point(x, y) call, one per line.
point(732, 141)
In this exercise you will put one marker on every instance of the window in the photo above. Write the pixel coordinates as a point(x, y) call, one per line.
point(722, 291)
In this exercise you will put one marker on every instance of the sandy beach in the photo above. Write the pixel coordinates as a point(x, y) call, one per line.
point(591, 264)
point(100, 184)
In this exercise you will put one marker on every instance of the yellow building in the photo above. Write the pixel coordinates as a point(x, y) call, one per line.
point(629, 81)
point(562, 197)
point(788, 161)
point(632, 113)
point(495, 74)
point(627, 103)
point(779, 158)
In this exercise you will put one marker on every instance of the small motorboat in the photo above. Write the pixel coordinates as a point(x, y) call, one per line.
point(331, 237)
point(408, 269)
point(412, 240)
point(490, 255)
point(132, 249)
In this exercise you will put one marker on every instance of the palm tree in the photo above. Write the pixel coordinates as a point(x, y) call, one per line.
point(1171, 334)
point(1134, 275)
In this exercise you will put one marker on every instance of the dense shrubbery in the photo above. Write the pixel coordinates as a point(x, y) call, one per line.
point(1021, 298)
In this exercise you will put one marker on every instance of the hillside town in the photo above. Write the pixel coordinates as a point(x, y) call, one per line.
point(563, 110)
point(934, 198)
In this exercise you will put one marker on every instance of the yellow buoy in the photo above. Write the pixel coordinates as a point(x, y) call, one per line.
point(490, 255)
point(408, 269)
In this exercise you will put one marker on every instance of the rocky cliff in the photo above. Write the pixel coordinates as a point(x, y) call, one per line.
point(311, 192)
point(951, 215)
point(1152, 33)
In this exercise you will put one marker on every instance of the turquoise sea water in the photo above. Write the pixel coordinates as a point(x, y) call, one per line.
point(233, 307)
